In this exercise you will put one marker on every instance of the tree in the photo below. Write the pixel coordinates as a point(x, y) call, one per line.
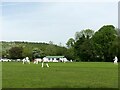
point(77, 48)
point(115, 47)
point(69, 53)
point(83, 46)
point(50, 50)
point(118, 40)
point(51, 42)
point(87, 51)
point(102, 40)
point(70, 43)
point(16, 52)
point(36, 53)
point(27, 50)
point(88, 33)
point(78, 35)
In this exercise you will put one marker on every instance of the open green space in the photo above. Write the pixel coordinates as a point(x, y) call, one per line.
point(60, 75)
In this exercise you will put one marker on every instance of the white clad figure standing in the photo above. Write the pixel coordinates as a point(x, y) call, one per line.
point(26, 60)
point(115, 60)
point(23, 60)
point(65, 60)
point(45, 60)
point(37, 60)
point(71, 60)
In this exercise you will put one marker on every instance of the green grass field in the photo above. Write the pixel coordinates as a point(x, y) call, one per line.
point(0, 76)
point(60, 75)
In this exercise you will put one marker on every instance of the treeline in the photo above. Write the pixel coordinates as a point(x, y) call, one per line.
point(102, 45)
point(19, 50)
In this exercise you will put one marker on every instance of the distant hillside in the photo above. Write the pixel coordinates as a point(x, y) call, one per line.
point(28, 48)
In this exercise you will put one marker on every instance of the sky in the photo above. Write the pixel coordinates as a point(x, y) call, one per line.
point(54, 21)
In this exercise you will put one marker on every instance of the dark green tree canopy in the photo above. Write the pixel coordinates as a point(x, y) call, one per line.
point(70, 43)
point(16, 52)
point(103, 40)
point(88, 33)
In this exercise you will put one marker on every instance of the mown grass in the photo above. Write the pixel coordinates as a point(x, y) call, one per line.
point(0, 75)
point(60, 75)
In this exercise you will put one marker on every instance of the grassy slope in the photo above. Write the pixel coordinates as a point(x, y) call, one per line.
point(67, 75)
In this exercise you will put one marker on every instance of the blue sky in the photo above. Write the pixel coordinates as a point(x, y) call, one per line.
point(54, 21)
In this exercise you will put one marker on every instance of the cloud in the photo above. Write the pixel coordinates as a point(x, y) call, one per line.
point(55, 22)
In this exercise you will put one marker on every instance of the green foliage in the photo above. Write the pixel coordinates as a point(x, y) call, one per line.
point(16, 52)
point(115, 48)
point(70, 43)
point(70, 54)
point(87, 51)
point(88, 33)
point(27, 52)
point(33, 50)
point(36, 53)
point(103, 41)
point(83, 49)
point(77, 47)
point(102, 45)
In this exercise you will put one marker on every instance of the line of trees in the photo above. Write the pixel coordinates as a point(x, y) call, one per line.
point(102, 45)
point(19, 50)
point(87, 45)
